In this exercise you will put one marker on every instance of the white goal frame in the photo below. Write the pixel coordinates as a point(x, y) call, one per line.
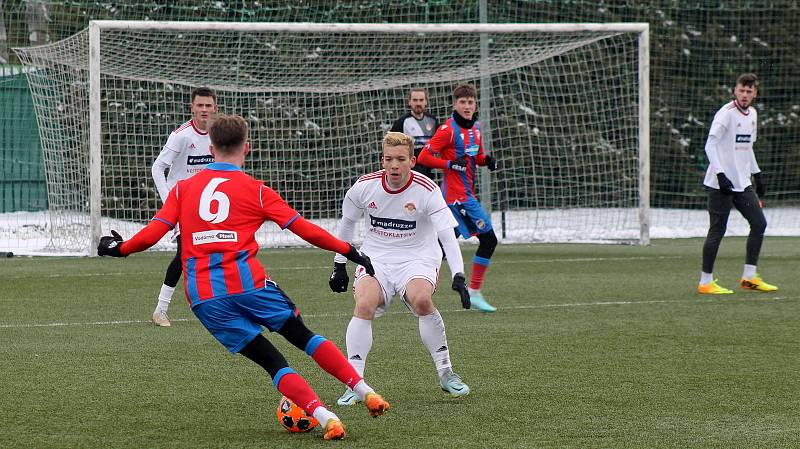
point(96, 28)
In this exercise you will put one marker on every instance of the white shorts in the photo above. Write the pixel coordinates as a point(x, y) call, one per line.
point(394, 277)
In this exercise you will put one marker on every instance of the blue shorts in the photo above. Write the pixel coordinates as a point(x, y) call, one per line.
point(471, 218)
point(236, 320)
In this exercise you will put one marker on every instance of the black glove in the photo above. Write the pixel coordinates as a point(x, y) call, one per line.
point(360, 258)
point(761, 189)
point(725, 184)
point(459, 164)
point(491, 163)
point(339, 279)
point(459, 285)
point(109, 245)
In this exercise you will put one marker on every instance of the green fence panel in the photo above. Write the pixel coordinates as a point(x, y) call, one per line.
point(22, 181)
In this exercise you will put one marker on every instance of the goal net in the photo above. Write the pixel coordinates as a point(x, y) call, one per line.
point(563, 108)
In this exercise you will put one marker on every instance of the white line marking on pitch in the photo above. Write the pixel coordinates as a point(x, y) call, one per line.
point(327, 315)
point(276, 269)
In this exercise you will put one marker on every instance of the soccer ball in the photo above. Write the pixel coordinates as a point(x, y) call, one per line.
point(294, 418)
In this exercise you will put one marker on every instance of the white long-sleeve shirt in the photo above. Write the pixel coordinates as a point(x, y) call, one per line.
point(185, 153)
point(729, 147)
point(402, 224)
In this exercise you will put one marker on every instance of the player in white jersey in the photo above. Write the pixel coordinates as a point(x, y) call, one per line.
point(731, 163)
point(185, 153)
point(404, 214)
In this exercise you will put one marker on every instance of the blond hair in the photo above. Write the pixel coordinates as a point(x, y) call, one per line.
point(395, 139)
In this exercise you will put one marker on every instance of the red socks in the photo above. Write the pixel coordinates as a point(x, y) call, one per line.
point(478, 271)
point(331, 359)
point(294, 387)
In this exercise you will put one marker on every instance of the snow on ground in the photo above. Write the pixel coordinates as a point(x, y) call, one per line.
point(66, 234)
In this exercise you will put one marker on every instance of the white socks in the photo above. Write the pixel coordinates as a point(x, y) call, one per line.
point(359, 342)
point(322, 415)
point(164, 297)
point(431, 329)
point(749, 271)
point(361, 389)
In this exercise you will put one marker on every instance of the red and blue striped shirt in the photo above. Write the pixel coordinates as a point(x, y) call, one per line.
point(219, 210)
point(451, 142)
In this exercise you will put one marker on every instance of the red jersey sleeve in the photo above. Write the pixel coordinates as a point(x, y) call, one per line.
point(276, 209)
point(440, 140)
point(165, 219)
point(317, 236)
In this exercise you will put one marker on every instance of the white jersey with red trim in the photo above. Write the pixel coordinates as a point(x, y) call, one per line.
point(400, 224)
point(185, 154)
point(730, 146)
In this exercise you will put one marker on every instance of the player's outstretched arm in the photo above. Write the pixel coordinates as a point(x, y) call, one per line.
point(165, 219)
point(113, 245)
point(110, 245)
point(321, 238)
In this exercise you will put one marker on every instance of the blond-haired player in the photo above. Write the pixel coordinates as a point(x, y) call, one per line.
point(404, 213)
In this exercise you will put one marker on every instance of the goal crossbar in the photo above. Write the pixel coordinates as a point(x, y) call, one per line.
point(396, 28)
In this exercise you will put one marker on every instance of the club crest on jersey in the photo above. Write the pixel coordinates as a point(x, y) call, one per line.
point(372, 205)
point(410, 208)
point(480, 224)
point(214, 236)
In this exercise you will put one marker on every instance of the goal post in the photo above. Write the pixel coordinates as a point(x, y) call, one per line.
point(567, 108)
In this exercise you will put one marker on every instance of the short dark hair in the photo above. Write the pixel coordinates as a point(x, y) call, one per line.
point(204, 92)
point(228, 133)
point(464, 90)
point(748, 80)
point(418, 89)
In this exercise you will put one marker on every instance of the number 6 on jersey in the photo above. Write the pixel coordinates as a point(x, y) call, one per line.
point(209, 195)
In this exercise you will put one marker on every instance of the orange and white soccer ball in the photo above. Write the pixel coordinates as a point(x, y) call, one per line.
point(294, 418)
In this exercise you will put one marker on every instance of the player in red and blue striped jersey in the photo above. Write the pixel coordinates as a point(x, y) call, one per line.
point(456, 149)
point(219, 210)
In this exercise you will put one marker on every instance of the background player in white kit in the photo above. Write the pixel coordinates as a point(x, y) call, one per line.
point(185, 153)
point(731, 162)
point(404, 215)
